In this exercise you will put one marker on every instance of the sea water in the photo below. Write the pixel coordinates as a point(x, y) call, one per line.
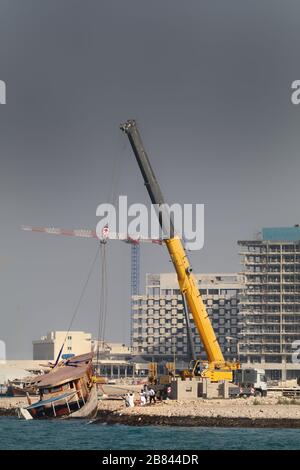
point(68, 434)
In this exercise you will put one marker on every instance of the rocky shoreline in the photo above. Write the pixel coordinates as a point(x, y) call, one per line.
point(268, 412)
point(8, 412)
point(9, 405)
point(264, 413)
point(113, 418)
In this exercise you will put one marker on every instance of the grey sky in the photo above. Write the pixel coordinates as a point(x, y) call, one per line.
point(208, 82)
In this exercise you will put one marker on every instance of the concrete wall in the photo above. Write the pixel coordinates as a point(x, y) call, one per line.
point(184, 389)
point(195, 388)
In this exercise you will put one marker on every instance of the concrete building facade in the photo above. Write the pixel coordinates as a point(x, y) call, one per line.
point(48, 347)
point(159, 326)
point(270, 305)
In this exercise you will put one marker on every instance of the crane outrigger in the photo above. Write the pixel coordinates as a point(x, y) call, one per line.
point(216, 368)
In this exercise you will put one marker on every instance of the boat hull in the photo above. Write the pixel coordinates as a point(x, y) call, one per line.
point(89, 410)
point(67, 391)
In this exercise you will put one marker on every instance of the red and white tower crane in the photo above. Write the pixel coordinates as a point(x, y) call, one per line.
point(107, 235)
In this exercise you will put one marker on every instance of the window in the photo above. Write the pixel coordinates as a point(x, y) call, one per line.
point(56, 389)
point(166, 291)
point(213, 291)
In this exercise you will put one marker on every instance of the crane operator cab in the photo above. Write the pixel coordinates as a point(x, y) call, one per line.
point(202, 369)
point(195, 369)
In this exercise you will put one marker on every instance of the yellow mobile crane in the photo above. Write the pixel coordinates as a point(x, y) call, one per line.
point(216, 368)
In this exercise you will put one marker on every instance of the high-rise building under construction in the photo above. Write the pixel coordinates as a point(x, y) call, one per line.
point(270, 304)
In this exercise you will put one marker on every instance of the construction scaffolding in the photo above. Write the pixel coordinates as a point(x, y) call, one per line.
point(270, 304)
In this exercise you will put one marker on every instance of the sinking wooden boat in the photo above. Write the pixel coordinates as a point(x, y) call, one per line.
point(67, 391)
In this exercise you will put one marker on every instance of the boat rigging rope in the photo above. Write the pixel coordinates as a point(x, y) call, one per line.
point(79, 302)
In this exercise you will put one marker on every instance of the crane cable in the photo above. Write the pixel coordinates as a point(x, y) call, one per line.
point(116, 172)
point(102, 301)
point(112, 193)
point(111, 198)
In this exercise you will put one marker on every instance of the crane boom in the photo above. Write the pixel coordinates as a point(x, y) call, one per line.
point(86, 233)
point(186, 279)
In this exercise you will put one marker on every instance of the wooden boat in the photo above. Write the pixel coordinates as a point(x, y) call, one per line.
point(67, 391)
point(19, 388)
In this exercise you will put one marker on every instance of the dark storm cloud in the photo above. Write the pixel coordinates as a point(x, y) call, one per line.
point(209, 83)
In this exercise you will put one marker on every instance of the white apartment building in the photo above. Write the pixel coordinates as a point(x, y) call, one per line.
point(48, 347)
point(158, 323)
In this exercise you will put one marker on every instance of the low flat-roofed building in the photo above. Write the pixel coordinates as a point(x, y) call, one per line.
point(47, 348)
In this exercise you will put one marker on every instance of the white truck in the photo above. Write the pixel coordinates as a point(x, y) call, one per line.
point(252, 382)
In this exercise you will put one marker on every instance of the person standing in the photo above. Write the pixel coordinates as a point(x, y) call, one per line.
point(131, 400)
point(142, 398)
point(152, 395)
